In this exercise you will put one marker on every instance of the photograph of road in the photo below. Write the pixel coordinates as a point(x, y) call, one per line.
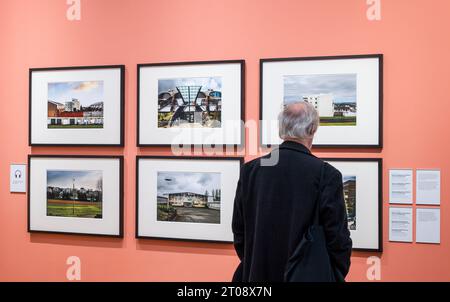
point(333, 95)
point(75, 193)
point(190, 102)
point(189, 197)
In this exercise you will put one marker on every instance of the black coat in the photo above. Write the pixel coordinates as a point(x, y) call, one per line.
point(274, 205)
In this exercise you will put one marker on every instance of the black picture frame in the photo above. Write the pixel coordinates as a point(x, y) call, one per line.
point(121, 143)
point(380, 57)
point(379, 161)
point(139, 157)
point(121, 192)
point(181, 63)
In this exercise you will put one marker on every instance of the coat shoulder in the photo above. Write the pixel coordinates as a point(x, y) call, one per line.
point(250, 165)
point(330, 172)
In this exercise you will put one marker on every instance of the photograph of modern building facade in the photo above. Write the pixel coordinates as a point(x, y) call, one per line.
point(349, 183)
point(75, 105)
point(333, 95)
point(75, 193)
point(190, 102)
point(189, 197)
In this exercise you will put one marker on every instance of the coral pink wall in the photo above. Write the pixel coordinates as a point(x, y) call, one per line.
point(412, 34)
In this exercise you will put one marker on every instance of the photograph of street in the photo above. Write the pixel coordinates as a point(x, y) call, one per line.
point(75, 105)
point(75, 193)
point(349, 183)
point(190, 102)
point(333, 95)
point(189, 197)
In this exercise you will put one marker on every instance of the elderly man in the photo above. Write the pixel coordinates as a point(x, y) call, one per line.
point(275, 204)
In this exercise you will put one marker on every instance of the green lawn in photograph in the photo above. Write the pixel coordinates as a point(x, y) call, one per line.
point(338, 121)
point(166, 213)
point(91, 210)
point(339, 124)
point(164, 119)
point(74, 126)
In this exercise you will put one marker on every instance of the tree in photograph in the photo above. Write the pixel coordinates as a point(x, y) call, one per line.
point(100, 190)
point(216, 195)
point(82, 194)
point(66, 195)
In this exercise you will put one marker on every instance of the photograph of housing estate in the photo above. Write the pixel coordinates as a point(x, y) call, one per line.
point(349, 183)
point(189, 197)
point(190, 102)
point(75, 193)
point(75, 104)
point(333, 95)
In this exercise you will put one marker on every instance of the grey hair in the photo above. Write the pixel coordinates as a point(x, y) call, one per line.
point(298, 121)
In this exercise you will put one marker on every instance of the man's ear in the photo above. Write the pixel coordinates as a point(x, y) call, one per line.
point(311, 130)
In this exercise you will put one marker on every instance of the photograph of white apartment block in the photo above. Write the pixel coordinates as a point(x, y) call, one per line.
point(322, 102)
point(333, 96)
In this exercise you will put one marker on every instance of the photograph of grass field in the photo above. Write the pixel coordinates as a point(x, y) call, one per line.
point(74, 126)
point(75, 194)
point(74, 209)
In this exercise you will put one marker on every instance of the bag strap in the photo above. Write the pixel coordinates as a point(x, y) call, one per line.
point(316, 221)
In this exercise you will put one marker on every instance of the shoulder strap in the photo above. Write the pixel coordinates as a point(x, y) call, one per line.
point(316, 221)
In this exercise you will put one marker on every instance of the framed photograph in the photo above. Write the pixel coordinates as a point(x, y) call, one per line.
point(186, 198)
point(77, 106)
point(362, 185)
point(347, 91)
point(191, 103)
point(75, 194)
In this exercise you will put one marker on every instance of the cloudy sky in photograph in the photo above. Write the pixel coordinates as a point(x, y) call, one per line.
point(214, 83)
point(342, 86)
point(87, 92)
point(347, 178)
point(83, 179)
point(194, 182)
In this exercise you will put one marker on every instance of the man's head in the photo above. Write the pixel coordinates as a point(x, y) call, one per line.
point(298, 122)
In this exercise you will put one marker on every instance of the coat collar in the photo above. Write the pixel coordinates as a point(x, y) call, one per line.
point(294, 146)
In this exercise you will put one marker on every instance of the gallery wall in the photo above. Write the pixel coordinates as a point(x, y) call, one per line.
point(412, 35)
